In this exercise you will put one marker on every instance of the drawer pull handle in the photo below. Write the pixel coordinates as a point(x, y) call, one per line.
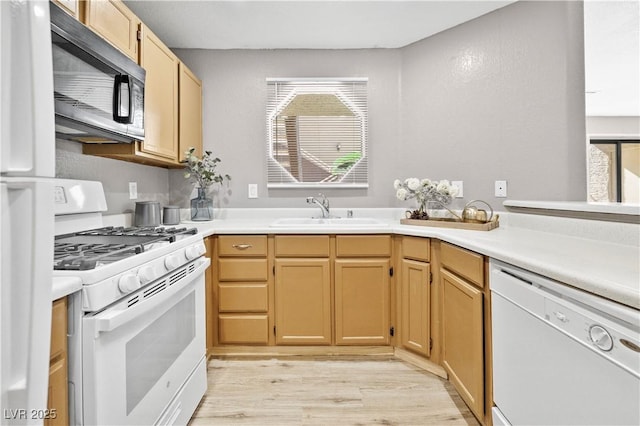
point(241, 246)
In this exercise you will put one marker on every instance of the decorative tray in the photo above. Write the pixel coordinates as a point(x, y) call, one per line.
point(453, 223)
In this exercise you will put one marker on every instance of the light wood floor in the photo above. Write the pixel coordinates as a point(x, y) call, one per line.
point(327, 391)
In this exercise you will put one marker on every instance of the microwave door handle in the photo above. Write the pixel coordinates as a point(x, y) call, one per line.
point(121, 80)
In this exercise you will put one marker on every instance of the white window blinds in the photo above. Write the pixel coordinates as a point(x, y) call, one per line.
point(317, 133)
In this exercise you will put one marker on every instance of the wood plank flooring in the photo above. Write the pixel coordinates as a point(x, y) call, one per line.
point(327, 391)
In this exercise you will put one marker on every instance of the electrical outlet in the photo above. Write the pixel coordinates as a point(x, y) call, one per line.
point(459, 184)
point(501, 188)
point(253, 190)
point(133, 190)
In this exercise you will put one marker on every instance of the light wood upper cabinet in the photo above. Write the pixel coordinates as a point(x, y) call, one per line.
point(161, 97)
point(74, 8)
point(160, 145)
point(114, 22)
point(303, 301)
point(173, 94)
point(190, 110)
point(416, 306)
point(362, 301)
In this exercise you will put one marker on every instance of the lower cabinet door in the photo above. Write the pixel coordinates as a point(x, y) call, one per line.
point(362, 302)
point(462, 339)
point(58, 401)
point(303, 302)
point(416, 306)
point(58, 396)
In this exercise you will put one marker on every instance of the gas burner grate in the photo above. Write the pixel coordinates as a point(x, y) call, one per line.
point(88, 249)
point(82, 256)
point(141, 231)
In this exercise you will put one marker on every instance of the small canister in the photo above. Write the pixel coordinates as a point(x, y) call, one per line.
point(171, 215)
point(147, 213)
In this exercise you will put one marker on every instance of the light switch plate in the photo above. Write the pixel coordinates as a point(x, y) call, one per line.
point(501, 188)
point(133, 190)
point(253, 190)
point(460, 186)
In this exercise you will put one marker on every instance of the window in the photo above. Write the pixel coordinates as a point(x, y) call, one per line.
point(614, 171)
point(317, 133)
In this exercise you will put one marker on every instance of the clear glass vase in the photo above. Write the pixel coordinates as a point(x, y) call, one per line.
point(201, 206)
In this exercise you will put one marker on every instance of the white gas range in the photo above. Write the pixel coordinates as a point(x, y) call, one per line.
point(136, 329)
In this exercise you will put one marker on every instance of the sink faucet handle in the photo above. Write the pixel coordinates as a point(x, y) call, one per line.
point(325, 200)
point(309, 200)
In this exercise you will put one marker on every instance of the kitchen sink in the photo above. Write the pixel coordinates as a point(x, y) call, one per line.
point(346, 222)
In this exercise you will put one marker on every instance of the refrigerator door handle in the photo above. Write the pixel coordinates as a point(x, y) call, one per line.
point(27, 129)
point(26, 268)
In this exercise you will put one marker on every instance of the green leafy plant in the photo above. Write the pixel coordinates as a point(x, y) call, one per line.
point(203, 170)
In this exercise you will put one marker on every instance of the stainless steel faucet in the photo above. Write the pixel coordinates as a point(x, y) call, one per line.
point(323, 204)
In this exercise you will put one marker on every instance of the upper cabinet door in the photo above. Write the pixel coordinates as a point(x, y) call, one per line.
point(116, 23)
point(72, 7)
point(190, 113)
point(161, 97)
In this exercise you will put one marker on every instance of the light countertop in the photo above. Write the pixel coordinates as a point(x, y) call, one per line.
point(63, 286)
point(600, 265)
point(596, 256)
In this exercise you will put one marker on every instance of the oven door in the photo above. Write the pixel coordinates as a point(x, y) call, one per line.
point(136, 358)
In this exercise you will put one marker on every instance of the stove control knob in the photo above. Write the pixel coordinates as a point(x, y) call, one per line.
point(601, 338)
point(146, 274)
point(128, 283)
point(172, 262)
point(192, 252)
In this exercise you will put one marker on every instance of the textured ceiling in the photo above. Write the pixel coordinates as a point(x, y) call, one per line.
point(305, 24)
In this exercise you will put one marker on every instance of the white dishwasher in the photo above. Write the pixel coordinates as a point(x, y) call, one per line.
point(561, 356)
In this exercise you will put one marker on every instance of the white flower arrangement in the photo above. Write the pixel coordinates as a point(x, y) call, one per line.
point(423, 191)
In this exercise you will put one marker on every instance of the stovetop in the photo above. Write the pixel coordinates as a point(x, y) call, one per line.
point(90, 249)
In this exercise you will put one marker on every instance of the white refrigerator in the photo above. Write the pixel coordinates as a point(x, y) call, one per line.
point(27, 160)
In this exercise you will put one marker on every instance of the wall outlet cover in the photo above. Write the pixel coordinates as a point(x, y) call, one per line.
point(253, 190)
point(501, 188)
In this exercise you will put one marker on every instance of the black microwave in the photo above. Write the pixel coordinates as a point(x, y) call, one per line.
point(98, 90)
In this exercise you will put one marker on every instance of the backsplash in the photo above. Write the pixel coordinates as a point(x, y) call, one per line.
point(115, 175)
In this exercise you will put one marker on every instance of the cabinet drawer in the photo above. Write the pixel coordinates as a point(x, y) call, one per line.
point(242, 245)
point(58, 328)
point(243, 297)
point(302, 245)
point(363, 245)
point(242, 269)
point(416, 248)
point(245, 329)
point(463, 262)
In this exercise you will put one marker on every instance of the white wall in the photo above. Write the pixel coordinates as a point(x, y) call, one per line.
point(500, 97)
point(234, 115)
point(153, 182)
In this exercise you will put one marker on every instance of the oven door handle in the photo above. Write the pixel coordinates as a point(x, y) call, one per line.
point(109, 321)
